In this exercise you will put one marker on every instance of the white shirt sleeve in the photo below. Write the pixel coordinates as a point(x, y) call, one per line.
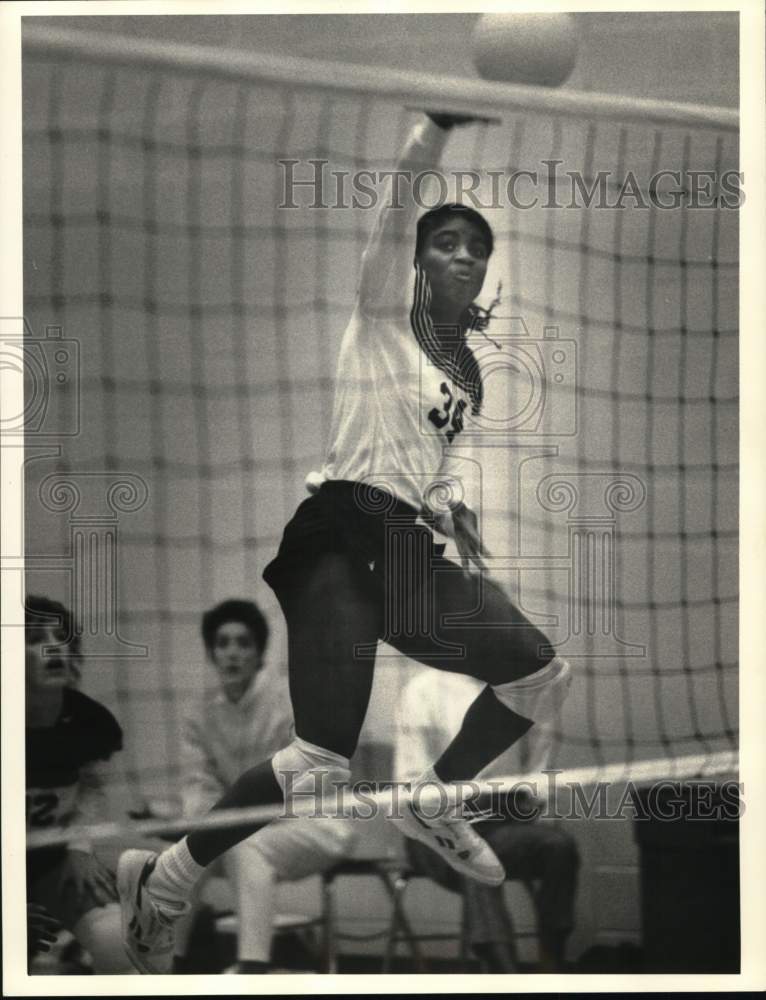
point(91, 803)
point(201, 783)
point(420, 737)
point(387, 262)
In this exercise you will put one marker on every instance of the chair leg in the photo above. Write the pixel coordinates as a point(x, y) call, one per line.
point(467, 952)
point(395, 892)
point(513, 942)
point(465, 933)
point(399, 920)
point(329, 940)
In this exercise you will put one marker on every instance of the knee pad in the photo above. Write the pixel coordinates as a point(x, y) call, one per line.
point(540, 695)
point(99, 932)
point(302, 768)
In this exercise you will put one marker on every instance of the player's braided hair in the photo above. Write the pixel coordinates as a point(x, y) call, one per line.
point(479, 318)
point(452, 355)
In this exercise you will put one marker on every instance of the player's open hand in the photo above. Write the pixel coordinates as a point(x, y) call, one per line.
point(465, 531)
point(84, 874)
point(41, 929)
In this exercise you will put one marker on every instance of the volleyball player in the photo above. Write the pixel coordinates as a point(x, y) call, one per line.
point(69, 740)
point(407, 381)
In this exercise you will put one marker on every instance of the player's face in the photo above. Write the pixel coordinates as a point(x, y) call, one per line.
point(47, 659)
point(454, 256)
point(236, 657)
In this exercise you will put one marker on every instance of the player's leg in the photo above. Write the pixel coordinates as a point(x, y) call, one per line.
point(330, 615)
point(474, 627)
point(476, 630)
point(490, 639)
point(330, 610)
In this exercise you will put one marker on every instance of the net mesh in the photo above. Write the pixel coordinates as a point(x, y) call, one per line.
point(208, 322)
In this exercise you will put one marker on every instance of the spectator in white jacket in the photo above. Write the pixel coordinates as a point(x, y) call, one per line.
point(247, 719)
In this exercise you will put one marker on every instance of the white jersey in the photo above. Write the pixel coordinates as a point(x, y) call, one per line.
point(395, 409)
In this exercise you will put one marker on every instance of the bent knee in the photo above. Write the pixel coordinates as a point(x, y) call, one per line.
point(540, 695)
point(305, 768)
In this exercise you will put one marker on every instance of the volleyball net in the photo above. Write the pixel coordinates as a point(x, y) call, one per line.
point(194, 224)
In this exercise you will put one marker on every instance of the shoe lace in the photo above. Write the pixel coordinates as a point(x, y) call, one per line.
point(167, 911)
point(164, 920)
point(475, 815)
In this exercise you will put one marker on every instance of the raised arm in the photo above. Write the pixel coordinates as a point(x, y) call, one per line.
point(387, 262)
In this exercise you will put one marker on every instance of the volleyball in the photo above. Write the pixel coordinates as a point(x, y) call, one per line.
point(525, 48)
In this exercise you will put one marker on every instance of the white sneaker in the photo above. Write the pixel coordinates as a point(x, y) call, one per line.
point(147, 926)
point(453, 839)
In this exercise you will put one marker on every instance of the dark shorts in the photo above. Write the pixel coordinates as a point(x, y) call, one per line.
point(344, 517)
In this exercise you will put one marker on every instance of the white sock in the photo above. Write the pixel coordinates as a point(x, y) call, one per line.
point(175, 874)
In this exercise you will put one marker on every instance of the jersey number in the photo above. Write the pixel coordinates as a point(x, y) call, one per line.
point(440, 418)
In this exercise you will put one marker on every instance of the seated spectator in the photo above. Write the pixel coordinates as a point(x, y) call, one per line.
point(431, 712)
point(246, 720)
point(70, 743)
